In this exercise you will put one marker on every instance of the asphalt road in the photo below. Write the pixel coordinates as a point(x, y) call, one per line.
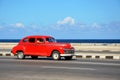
point(48, 69)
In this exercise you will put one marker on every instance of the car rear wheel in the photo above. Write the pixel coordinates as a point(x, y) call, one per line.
point(56, 55)
point(68, 57)
point(20, 55)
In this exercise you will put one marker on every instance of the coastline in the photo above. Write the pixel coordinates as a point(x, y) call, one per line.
point(82, 50)
point(77, 46)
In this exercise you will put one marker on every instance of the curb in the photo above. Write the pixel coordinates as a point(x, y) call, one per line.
point(98, 56)
point(6, 54)
point(83, 55)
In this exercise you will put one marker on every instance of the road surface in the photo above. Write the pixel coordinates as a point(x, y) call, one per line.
point(48, 69)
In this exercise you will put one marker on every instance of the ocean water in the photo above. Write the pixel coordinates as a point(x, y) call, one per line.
point(73, 40)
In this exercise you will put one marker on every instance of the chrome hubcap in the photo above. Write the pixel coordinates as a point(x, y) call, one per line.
point(20, 55)
point(55, 55)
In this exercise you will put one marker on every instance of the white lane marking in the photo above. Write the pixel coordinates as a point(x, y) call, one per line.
point(98, 63)
point(69, 62)
point(71, 68)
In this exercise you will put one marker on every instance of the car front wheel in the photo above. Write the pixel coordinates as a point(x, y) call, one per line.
point(20, 55)
point(56, 55)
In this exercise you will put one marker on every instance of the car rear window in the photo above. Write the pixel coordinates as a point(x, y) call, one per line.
point(25, 40)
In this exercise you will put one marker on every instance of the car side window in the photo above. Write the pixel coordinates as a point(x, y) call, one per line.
point(32, 40)
point(40, 40)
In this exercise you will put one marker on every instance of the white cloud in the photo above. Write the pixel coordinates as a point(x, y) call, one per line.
point(67, 20)
point(95, 25)
point(18, 25)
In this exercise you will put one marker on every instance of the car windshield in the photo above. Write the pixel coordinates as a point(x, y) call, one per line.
point(50, 39)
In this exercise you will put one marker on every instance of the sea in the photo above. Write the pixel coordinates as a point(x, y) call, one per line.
point(72, 40)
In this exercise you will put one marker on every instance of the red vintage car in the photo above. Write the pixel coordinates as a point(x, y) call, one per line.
point(38, 45)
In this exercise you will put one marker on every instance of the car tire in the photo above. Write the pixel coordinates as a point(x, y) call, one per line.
point(68, 57)
point(34, 57)
point(20, 55)
point(56, 55)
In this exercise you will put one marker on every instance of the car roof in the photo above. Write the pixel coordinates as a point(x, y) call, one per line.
point(37, 36)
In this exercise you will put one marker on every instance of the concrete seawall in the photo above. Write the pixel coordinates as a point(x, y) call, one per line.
point(83, 50)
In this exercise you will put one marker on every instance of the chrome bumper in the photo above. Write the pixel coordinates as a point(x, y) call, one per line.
point(67, 55)
point(68, 52)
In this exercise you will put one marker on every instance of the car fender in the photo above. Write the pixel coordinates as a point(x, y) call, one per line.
point(59, 49)
point(18, 48)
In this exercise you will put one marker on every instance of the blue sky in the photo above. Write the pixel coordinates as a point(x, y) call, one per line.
point(63, 19)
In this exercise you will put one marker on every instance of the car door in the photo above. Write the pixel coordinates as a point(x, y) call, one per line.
point(31, 47)
point(41, 47)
